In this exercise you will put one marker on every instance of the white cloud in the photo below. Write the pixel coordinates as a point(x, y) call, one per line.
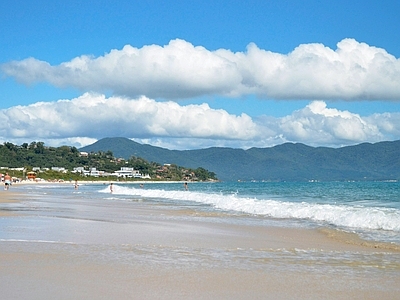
point(387, 123)
point(85, 119)
point(180, 70)
point(95, 116)
point(318, 125)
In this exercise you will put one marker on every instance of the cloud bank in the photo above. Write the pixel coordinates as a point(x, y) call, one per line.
point(85, 119)
point(181, 70)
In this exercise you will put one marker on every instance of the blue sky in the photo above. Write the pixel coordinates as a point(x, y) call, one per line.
point(73, 72)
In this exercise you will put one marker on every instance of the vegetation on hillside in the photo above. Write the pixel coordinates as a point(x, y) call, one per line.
point(37, 155)
point(285, 162)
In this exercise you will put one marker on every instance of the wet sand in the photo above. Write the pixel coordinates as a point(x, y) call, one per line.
point(8, 197)
point(61, 276)
point(160, 255)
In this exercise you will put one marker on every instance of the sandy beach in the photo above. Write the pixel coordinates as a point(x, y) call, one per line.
point(137, 251)
point(8, 197)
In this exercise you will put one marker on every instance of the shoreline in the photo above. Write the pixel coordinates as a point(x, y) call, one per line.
point(334, 235)
point(131, 250)
point(27, 182)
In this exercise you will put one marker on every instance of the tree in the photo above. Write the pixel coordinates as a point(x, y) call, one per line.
point(37, 155)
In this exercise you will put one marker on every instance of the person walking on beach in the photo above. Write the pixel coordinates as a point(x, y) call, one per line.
point(7, 181)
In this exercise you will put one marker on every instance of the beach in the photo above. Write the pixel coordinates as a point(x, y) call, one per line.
point(78, 246)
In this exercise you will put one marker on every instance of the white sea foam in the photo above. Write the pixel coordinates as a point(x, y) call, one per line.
point(351, 216)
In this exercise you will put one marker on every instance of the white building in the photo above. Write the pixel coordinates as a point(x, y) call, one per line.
point(79, 170)
point(59, 169)
point(127, 172)
point(96, 173)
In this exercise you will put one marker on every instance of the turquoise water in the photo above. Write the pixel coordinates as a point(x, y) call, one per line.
point(370, 209)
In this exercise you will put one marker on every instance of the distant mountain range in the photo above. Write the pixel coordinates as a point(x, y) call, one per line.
point(286, 162)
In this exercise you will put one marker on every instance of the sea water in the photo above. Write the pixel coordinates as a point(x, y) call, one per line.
point(369, 209)
point(59, 216)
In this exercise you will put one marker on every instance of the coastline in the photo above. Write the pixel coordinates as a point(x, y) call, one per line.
point(159, 252)
point(72, 182)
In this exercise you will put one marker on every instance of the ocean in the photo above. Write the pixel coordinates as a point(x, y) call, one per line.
point(94, 222)
point(369, 209)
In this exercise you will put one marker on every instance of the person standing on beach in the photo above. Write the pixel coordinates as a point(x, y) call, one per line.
point(7, 181)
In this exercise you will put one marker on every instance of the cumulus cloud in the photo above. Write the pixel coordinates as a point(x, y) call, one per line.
point(96, 116)
point(83, 120)
point(388, 124)
point(316, 124)
point(181, 70)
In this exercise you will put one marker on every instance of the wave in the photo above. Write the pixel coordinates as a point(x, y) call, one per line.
point(341, 215)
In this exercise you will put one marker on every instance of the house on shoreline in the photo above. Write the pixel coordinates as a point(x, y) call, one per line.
point(124, 172)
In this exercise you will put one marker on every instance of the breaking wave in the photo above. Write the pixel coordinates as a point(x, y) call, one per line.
point(341, 215)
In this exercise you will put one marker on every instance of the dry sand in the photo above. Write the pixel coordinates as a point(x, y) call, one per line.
point(81, 271)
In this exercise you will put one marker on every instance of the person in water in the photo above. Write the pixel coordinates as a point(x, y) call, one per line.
point(185, 185)
point(111, 187)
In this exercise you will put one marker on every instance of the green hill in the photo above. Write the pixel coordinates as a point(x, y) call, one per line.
point(286, 162)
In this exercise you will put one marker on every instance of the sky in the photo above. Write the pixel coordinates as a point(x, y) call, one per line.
point(198, 74)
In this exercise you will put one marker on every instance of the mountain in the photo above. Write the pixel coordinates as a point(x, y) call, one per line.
point(286, 162)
